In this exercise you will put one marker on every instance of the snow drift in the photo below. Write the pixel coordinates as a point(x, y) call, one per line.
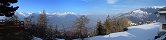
point(141, 32)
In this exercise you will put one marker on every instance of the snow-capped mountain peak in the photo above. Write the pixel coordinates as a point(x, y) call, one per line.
point(63, 13)
point(24, 14)
point(143, 14)
point(139, 11)
point(66, 18)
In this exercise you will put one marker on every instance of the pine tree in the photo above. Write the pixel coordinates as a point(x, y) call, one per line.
point(100, 29)
point(6, 9)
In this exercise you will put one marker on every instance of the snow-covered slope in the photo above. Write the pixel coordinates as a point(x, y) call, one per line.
point(141, 32)
point(142, 14)
point(36, 38)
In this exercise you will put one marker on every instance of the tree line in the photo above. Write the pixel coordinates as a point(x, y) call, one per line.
point(50, 31)
point(79, 29)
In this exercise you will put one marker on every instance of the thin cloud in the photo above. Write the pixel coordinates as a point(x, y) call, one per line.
point(107, 1)
point(111, 1)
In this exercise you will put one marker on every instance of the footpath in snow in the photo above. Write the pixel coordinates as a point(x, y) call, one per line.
point(141, 32)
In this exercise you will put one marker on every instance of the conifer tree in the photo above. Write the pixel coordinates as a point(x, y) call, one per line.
point(100, 28)
point(6, 9)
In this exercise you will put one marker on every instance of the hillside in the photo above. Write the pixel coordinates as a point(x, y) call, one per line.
point(143, 14)
point(141, 32)
point(67, 18)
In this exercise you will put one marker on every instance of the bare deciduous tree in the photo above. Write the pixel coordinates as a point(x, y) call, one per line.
point(119, 24)
point(107, 25)
point(80, 26)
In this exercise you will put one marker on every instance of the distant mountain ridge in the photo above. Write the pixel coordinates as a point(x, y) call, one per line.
point(143, 14)
point(67, 18)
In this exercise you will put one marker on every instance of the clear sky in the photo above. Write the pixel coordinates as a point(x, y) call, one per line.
point(86, 6)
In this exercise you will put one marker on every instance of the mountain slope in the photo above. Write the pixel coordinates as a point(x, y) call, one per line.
point(67, 18)
point(141, 32)
point(142, 14)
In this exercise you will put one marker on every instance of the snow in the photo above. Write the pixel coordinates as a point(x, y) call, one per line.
point(139, 11)
point(36, 38)
point(24, 14)
point(141, 32)
point(64, 13)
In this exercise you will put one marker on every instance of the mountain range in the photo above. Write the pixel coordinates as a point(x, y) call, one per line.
point(67, 18)
point(143, 14)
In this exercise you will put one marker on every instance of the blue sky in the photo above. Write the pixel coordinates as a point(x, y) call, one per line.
point(86, 6)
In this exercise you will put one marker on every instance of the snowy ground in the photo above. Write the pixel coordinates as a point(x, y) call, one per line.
point(36, 38)
point(141, 32)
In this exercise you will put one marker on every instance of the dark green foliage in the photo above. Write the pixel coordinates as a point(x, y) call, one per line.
point(156, 13)
point(125, 29)
point(100, 29)
point(6, 9)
